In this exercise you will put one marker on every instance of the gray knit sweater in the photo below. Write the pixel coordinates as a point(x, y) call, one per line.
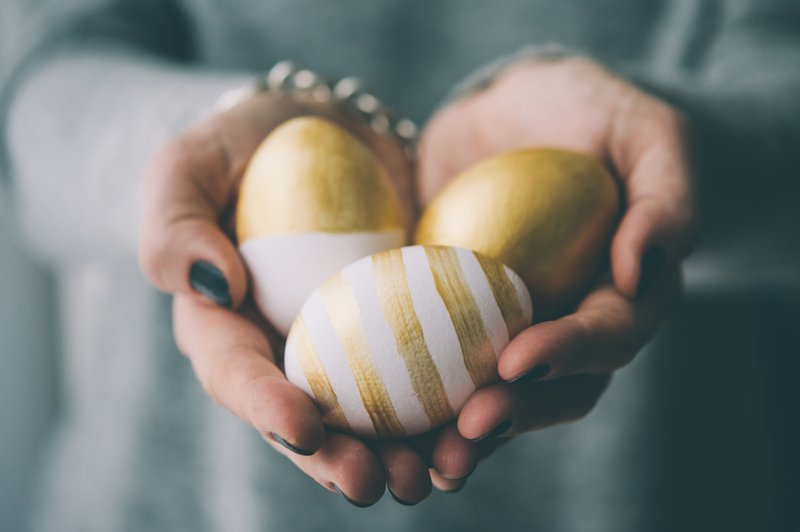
point(91, 87)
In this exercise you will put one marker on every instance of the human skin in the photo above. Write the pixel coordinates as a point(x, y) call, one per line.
point(190, 188)
point(566, 361)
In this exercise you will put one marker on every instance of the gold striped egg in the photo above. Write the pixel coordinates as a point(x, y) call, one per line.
point(312, 200)
point(547, 213)
point(393, 344)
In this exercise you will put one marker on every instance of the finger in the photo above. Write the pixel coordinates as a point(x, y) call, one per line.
point(234, 363)
point(190, 184)
point(649, 147)
point(446, 451)
point(187, 187)
point(407, 475)
point(453, 457)
point(604, 333)
point(504, 410)
point(345, 465)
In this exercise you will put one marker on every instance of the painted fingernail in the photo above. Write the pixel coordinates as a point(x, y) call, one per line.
point(398, 499)
point(289, 446)
point(208, 280)
point(652, 263)
point(495, 432)
point(351, 501)
point(537, 372)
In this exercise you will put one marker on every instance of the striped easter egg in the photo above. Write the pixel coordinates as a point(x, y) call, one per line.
point(393, 344)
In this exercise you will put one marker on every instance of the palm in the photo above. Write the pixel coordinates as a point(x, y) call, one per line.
point(575, 104)
point(571, 104)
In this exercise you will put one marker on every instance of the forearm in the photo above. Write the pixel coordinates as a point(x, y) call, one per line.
point(80, 130)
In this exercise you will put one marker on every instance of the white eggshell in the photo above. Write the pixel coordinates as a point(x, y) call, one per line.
point(394, 344)
point(313, 199)
point(285, 269)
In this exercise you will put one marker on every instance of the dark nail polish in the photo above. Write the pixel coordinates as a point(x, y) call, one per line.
point(495, 432)
point(537, 372)
point(289, 446)
point(398, 499)
point(652, 263)
point(351, 501)
point(208, 280)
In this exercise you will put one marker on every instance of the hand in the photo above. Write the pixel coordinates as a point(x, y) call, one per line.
point(576, 104)
point(189, 194)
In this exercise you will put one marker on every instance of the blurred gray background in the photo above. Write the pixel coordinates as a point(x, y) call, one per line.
point(27, 354)
point(27, 349)
point(728, 361)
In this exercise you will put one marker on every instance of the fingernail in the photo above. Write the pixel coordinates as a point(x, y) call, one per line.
point(398, 499)
point(351, 501)
point(652, 263)
point(289, 446)
point(537, 372)
point(459, 479)
point(461, 487)
point(495, 432)
point(208, 280)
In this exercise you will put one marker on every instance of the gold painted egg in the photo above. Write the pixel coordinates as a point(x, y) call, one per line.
point(393, 344)
point(546, 213)
point(313, 199)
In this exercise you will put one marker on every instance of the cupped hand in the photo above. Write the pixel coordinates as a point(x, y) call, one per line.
point(186, 248)
point(556, 370)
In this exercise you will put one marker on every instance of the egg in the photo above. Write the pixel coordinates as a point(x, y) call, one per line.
point(546, 213)
point(393, 344)
point(312, 200)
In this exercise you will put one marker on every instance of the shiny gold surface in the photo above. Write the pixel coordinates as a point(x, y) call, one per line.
point(546, 213)
point(391, 283)
point(321, 387)
point(504, 294)
point(448, 278)
point(345, 315)
point(310, 175)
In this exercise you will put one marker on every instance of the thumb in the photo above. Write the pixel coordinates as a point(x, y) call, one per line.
point(660, 224)
point(182, 249)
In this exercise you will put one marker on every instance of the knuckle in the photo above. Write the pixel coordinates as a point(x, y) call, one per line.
point(211, 385)
point(155, 247)
point(216, 375)
point(253, 396)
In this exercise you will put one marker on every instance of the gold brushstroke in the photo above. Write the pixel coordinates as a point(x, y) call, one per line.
point(345, 315)
point(312, 368)
point(505, 294)
point(449, 279)
point(310, 175)
point(398, 310)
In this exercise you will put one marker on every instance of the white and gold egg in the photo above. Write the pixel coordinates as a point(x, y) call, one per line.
point(313, 199)
point(394, 344)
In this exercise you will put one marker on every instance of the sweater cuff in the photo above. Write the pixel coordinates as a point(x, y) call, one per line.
point(486, 75)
